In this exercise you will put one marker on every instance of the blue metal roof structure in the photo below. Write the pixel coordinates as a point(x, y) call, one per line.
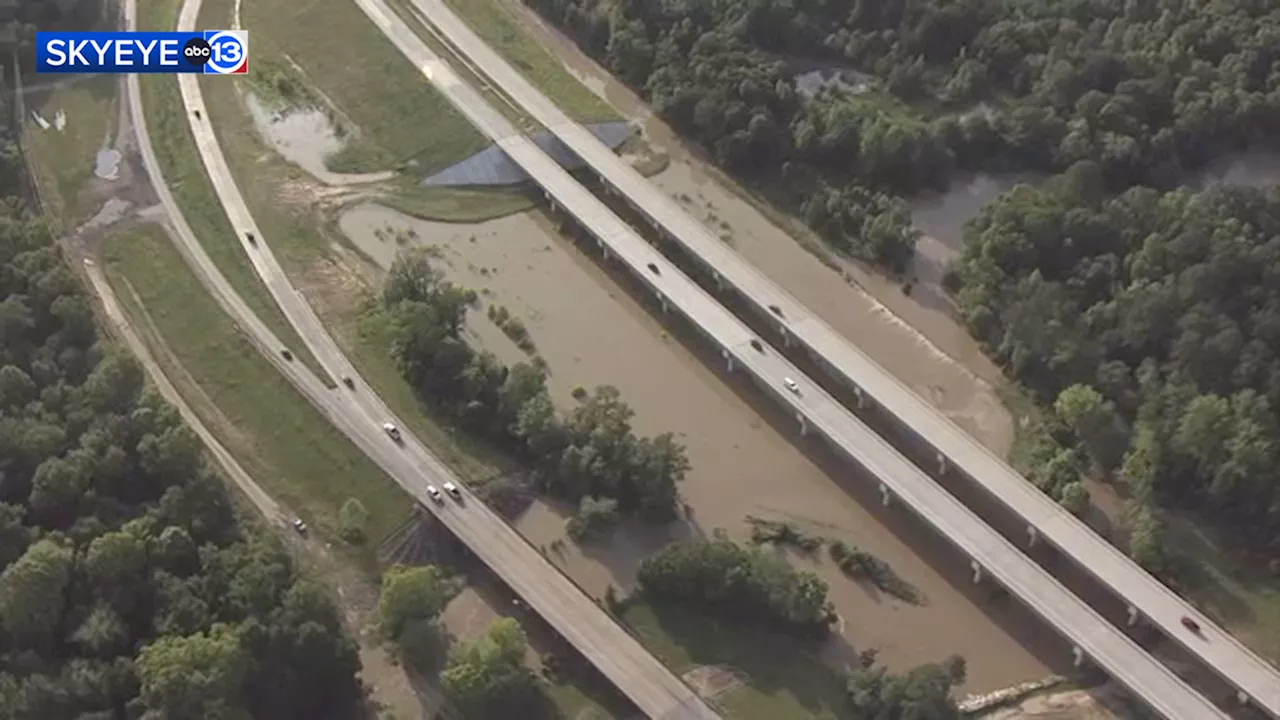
point(492, 167)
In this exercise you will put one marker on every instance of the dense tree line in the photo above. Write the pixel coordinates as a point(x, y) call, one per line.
point(1142, 88)
point(589, 453)
point(738, 582)
point(128, 589)
point(1151, 322)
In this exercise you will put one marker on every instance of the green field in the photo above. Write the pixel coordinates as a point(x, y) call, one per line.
point(396, 111)
point(784, 679)
point(64, 160)
point(494, 22)
point(282, 441)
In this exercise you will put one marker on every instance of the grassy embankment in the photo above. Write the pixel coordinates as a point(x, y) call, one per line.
point(281, 440)
point(501, 30)
point(185, 175)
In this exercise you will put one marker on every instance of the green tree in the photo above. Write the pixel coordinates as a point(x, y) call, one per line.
point(922, 693)
point(413, 593)
point(1095, 421)
point(353, 518)
point(487, 677)
point(595, 517)
point(194, 676)
point(33, 593)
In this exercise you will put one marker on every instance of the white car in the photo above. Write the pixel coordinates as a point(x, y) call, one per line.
point(791, 385)
point(434, 492)
point(392, 431)
point(453, 490)
point(300, 526)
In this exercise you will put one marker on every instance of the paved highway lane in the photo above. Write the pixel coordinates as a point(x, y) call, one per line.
point(657, 691)
point(1096, 638)
point(1147, 595)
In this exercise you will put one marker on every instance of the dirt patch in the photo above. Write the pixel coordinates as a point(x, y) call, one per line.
point(713, 681)
point(1064, 705)
point(310, 194)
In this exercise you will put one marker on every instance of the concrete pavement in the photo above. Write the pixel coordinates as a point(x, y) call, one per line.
point(1094, 637)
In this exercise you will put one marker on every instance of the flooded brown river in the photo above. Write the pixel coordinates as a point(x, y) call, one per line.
point(591, 331)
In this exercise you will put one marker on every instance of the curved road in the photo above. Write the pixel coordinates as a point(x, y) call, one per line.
point(650, 685)
point(1162, 607)
point(1145, 676)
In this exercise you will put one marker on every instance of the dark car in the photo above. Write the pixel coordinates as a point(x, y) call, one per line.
point(286, 354)
point(252, 240)
point(654, 269)
point(757, 345)
point(349, 382)
point(775, 310)
point(197, 114)
point(1190, 624)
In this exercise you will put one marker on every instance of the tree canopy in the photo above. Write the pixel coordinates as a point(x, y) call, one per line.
point(128, 587)
point(736, 581)
point(1142, 89)
point(1151, 320)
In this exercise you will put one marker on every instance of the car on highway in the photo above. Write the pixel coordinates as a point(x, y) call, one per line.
point(453, 490)
point(252, 240)
point(286, 354)
point(392, 431)
point(654, 269)
point(434, 492)
point(759, 347)
point(1190, 624)
point(346, 380)
point(197, 114)
point(791, 385)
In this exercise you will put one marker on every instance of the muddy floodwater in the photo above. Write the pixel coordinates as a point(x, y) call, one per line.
point(593, 332)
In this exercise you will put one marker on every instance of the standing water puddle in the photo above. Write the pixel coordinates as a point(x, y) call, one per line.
point(305, 137)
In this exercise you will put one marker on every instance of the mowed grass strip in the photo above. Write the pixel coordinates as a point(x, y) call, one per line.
point(783, 677)
point(346, 58)
point(494, 22)
point(184, 172)
point(284, 443)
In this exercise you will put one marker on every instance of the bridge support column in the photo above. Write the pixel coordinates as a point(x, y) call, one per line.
point(1133, 616)
point(728, 359)
point(885, 496)
point(977, 571)
point(942, 464)
point(804, 424)
point(1077, 656)
point(1032, 536)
